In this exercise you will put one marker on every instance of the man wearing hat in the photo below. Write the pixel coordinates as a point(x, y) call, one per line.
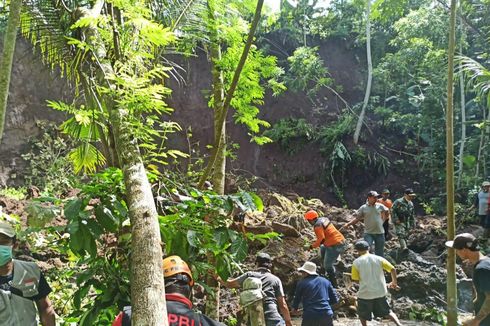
point(317, 296)
point(403, 217)
point(373, 214)
point(466, 247)
point(385, 200)
point(23, 287)
point(368, 270)
point(482, 200)
point(274, 301)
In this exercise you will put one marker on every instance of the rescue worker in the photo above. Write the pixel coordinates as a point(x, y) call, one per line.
point(368, 270)
point(178, 289)
point(330, 240)
point(481, 203)
point(403, 216)
point(273, 301)
point(317, 296)
point(23, 287)
point(385, 200)
point(373, 214)
point(467, 248)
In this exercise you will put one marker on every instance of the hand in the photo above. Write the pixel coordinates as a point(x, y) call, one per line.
point(393, 286)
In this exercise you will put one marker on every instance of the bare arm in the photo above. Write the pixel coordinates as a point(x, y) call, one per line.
point(351, 222)
point(231, 283)
point(46, 311)
point(283, 308)
point(485, 308)
point(394, 282)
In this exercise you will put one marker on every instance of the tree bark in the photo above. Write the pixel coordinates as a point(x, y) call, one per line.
point(10, 38)
point(147, 284)
point(219, 170)
point(231, 91)
point(357, 132)
point(452, 298)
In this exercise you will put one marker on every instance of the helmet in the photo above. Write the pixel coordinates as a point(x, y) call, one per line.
point(174, 265)
point(311, 215)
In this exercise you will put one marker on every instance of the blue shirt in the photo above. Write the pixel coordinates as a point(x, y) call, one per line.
point(316, 294)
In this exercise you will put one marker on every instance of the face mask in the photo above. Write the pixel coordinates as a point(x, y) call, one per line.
point(5, 254)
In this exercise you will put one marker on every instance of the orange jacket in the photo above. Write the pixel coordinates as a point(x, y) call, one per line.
point(326, 233)
point(388, 203)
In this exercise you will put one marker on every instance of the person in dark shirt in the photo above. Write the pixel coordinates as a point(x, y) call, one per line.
point(317, 296)
point(22, 286)
point(274, 301)
point(178, 289)
point(467, 248)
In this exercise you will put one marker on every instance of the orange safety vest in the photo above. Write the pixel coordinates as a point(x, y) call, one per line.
point(326, 233)
point(388, 203)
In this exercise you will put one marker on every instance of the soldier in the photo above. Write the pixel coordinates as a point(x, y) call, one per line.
point(403, 216)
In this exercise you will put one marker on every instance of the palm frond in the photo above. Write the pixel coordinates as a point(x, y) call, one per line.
point(478, 76)
point(86, 157)
point(47, 26)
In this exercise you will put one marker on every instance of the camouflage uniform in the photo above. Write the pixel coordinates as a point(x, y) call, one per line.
point(403, 212)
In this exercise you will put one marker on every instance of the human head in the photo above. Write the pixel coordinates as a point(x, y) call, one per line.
point(263, 260)
point(464, 241)
point(308, 268)
point(7, 234)
point(372, 197)
point(311, 216)
point(361, 246)
point(409, 194)
point(385, 193)
point(486, 186)
point(178, 276)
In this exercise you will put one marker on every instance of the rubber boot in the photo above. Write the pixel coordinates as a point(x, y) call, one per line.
point(331, 278)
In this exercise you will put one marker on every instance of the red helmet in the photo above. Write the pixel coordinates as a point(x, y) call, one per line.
point(311, 215)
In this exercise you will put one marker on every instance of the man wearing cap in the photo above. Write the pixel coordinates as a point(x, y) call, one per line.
point(331, 242)
point(374, 214)
point(368, 270)
point(274, 301)
point(403, 217)
point(317, 296)
point(23, 287)
point(482, 200)
point(467, 248)
point(385, 200)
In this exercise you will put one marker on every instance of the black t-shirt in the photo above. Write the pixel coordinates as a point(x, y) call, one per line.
point(44, 289)
point(481, 280)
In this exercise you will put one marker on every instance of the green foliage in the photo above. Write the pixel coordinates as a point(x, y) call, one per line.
point(14, 193)
point(428, 314)
point(291, 134)
point(197, 226)
point(332, 133)
point(307, 71)
point(49, 167)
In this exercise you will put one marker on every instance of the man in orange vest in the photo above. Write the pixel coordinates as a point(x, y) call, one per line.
point(385, 200)
point(331, 242)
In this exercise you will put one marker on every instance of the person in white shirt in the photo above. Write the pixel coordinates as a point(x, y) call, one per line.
point(368, 270)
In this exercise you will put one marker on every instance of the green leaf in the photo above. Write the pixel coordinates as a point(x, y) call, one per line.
point(221, 236)
point(73, 209)
point(239, 248)
point(193, 238)
point(106, 218)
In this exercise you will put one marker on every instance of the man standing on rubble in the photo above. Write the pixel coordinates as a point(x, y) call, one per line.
point(403, 216)
point(481, 203)
point(373, 214)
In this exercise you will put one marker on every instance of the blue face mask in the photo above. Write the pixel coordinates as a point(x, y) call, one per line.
point(5, 254)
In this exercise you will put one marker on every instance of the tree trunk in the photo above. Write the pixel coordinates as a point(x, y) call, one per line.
point(357, 132)
point(219, 170)
point(483, 137)
point(452, 297)
point(10, 37)
point(231, 91)
point(147, 284)
point(463, 110)
point(146, 272)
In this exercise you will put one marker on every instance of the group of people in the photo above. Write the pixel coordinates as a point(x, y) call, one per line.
point(24, 290)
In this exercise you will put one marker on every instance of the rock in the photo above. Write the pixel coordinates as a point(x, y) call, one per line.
point(285, 229)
